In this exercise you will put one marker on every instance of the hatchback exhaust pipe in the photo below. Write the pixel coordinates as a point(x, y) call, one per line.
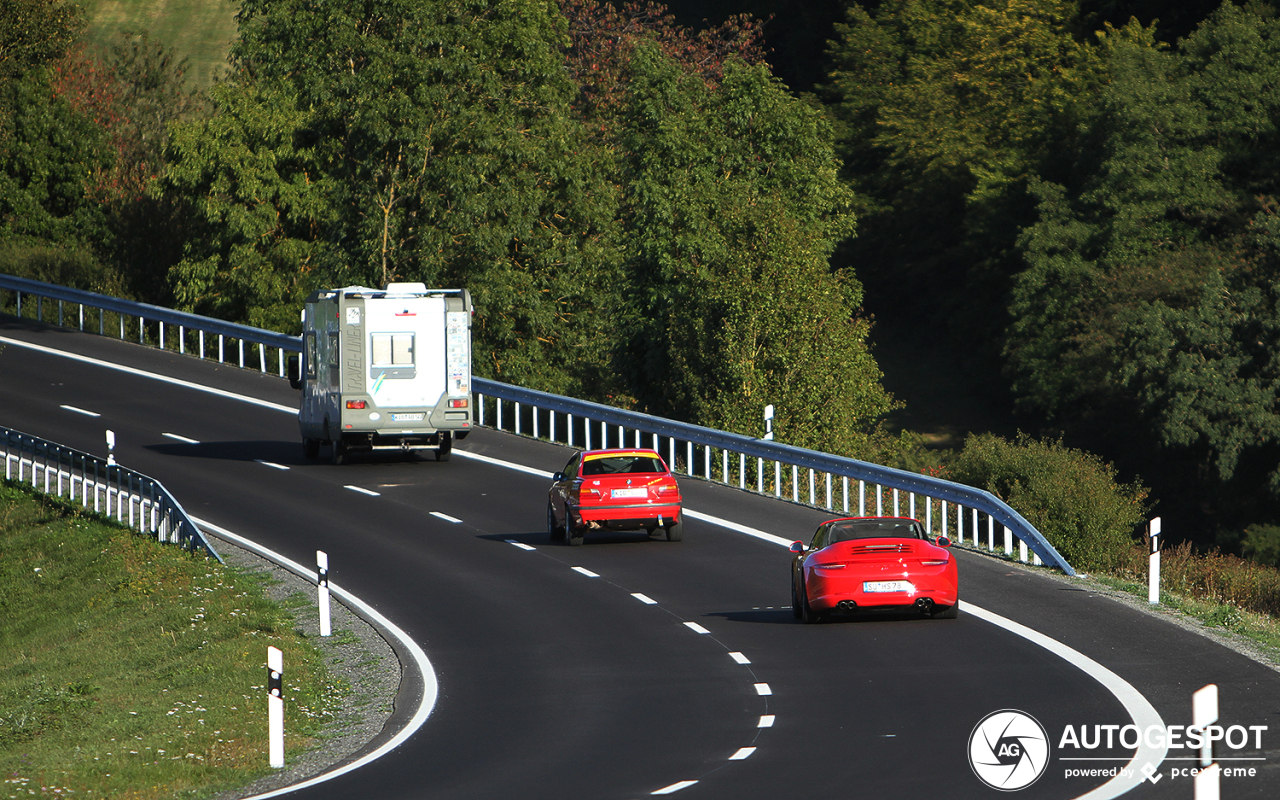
point(925, 605)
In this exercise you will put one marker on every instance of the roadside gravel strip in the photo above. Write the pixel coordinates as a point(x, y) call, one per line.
point(387, 701)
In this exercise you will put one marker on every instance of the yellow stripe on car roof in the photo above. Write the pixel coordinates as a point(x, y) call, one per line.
point(618, 453)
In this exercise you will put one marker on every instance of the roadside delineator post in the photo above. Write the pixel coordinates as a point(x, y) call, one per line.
point(768, 422)
point(1153, 572)
point(322, 582)
point(1204, 712)
point(111, 448)
point(275, 706)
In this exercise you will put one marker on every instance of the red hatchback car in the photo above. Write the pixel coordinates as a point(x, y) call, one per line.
point(873, 563)
point(614, 490)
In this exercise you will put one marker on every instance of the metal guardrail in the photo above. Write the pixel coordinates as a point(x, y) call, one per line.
point(756, 465)
point(122, 494)
point(148, 324)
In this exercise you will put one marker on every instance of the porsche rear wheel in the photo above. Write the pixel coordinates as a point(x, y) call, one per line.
point(554, 530)
point(675, 532)
point(950, 612)
point(795, 599)
point(807, 612)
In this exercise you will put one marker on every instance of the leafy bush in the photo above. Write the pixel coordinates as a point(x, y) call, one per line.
point(1261, 543)
point(1071, 496)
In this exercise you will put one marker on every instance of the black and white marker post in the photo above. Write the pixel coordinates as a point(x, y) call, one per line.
point(275, 706)
point(1153, 573)
point(1204, 712)
point(111, 448)
point(768, 422)
point(322, 584)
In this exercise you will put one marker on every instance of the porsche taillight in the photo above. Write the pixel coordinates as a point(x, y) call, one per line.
point(934, 562)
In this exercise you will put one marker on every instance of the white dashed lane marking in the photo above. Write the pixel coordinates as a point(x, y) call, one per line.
point(696, 628)
point(445, 517)
point(740, 658)
point(763, 689)
point(182, 439)
point(675, 787)
point(521, 545)
point(743, 752)
point(644, 598)
point(274, 465)
point(766, 721)
point(81, 411)
point(362, 491)
point(585, 571)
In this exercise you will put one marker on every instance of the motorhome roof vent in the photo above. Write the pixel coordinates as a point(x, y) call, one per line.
point(406, 288)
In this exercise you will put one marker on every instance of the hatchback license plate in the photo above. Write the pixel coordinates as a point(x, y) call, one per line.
point(621, 494)
point(406, 418)
point(873, 587)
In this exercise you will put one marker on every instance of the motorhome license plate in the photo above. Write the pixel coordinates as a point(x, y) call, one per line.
point(406, 418)
point(619, 494)
point(872, 587)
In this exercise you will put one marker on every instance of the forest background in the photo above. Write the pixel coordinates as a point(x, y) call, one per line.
point(1036, 215)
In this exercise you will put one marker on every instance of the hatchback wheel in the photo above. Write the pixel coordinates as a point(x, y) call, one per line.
point(554, 530)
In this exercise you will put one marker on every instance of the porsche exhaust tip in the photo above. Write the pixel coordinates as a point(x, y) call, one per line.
point(847, 605)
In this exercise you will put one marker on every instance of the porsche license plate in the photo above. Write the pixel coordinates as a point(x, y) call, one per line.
point(626, 494)
point(872, 587)
point(406, 417)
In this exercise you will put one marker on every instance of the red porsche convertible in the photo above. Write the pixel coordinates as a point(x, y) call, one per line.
point(614, 490)
point(873, 563)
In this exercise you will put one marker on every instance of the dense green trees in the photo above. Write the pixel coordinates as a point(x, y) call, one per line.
point(1150, 289)
point(641, 216)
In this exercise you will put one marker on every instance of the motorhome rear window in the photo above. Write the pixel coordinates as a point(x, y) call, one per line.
point(392, 349)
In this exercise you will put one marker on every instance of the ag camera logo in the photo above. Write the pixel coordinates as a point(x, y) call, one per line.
point(1008, 750)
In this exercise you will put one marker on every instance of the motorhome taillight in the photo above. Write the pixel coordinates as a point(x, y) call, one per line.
point(355, 404)
point(459, 403)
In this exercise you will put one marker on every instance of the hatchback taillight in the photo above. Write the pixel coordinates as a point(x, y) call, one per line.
point(667, 489)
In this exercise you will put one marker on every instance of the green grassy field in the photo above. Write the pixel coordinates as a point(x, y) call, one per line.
point(131, 669)
point(201, 30)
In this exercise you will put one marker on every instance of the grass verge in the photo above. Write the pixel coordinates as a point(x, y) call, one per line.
point(130, 669)
point(201, 30)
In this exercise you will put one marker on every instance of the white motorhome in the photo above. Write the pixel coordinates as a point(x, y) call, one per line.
point(385, 369)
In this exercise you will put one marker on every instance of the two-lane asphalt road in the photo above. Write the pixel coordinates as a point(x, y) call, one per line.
point(631, 666)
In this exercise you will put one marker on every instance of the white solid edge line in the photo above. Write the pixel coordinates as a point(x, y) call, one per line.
point(1137, 706)
point(430, 686)
point(1143, 713)
point(144, 374)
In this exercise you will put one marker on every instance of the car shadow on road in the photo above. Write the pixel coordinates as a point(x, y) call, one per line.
point(542, 539)
point(783, 615)
point(287, 454)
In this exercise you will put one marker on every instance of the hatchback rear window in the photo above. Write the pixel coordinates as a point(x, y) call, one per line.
point(619, 465)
